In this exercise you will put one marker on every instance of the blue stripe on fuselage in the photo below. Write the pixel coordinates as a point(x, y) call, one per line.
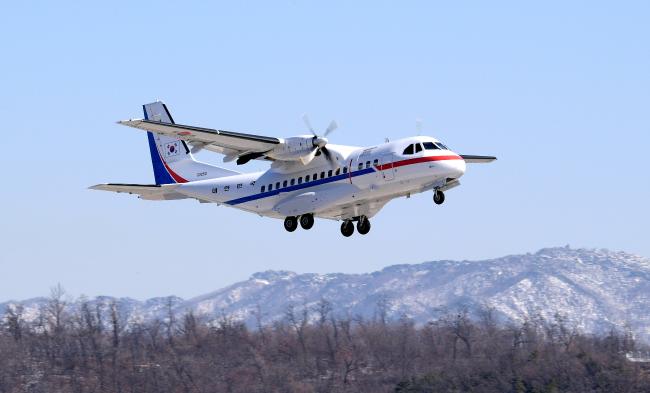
point(300, 186)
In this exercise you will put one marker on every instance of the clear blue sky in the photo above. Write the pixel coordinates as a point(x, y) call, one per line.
point(559, 91)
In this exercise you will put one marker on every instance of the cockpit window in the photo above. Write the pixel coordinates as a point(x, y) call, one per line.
point(408, 150)
point(430, 146)
point(443, 147)
point(418, 147)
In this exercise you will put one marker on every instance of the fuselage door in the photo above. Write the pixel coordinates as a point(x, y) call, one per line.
point(387, 170)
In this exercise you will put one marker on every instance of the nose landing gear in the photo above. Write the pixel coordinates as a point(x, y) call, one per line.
point(438, 197)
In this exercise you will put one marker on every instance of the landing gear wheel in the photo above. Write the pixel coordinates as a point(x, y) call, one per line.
point(363, 225)
point(438, 197)
point(307, 221)
point(347, 228)
point(290, 223)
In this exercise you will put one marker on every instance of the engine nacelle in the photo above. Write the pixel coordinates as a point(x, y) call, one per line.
point(295, 148)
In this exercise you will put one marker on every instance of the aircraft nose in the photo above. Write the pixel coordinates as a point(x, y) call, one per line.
point(456, 168)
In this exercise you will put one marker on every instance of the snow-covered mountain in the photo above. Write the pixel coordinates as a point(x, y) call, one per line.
point(594, 290)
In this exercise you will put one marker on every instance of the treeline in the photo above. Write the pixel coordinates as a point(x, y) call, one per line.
point(311, 350)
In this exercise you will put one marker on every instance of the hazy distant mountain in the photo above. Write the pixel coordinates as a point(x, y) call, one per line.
point(594, 290)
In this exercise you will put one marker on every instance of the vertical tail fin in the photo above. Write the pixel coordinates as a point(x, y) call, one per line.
point(171, 157)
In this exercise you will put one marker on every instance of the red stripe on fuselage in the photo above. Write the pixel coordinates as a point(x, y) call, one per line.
point(418, 160)
point(173, 174)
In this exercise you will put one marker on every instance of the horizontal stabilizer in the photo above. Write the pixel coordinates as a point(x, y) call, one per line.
point(477, 159)
point(144, 191)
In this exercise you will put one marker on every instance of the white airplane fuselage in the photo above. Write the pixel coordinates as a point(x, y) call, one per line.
point(308, 177)
point(378, 173)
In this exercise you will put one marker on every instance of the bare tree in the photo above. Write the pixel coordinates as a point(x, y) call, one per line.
point(55, 308)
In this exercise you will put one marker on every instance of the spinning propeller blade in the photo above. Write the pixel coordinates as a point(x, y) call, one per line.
point(305, 118)
point(319, 142)
point(333, 126)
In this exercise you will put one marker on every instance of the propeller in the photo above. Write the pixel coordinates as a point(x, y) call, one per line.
point(319, 142)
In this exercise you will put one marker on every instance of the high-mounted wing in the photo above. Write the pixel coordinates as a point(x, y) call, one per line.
point(144, 191)
point(472, 159)
point(233, 144)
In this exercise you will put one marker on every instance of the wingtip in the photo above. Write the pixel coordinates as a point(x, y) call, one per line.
point(128, 122)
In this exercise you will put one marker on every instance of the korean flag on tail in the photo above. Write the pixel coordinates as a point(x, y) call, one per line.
point(172, 149)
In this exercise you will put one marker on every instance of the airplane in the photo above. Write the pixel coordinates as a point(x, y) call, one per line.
point(308, 176)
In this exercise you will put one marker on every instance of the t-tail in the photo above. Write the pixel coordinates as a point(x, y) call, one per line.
point(171, 157)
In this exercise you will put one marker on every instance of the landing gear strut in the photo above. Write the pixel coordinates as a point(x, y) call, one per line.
point(307, 221)
point(347, 228)
point(291, 223)
point(363, 225)
point(438, 197)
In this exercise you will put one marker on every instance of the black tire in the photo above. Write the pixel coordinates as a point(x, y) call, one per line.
point(347, 228)
point(307, 221)
point(290, 223)
point(438, 197)
point(363, 226)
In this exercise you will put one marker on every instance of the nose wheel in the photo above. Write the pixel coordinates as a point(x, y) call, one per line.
point(438, 197)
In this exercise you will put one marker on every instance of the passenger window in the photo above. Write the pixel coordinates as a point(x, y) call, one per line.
point(430, 146)
point(300, 180)
point(345, 170)
point(367, 164)
point(263, 188)
point(270, 187)
point(277, 185)
point(315, 176)
point(329, 173)
point(293, 181)
point(360, 166)
point(338, 171)
point(284, 183)
point(307, 179)
point(408, 150)
point(418, 148)
point(322, 175)
point(375, 162)
point(240, 185)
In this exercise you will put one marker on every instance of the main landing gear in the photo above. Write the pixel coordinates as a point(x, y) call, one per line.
point(291, 223)
point(363, 226)
point(306, 222)
point(438, 197)
point(347, 228)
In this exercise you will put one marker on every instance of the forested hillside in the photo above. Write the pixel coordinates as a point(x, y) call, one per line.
point(310, 349)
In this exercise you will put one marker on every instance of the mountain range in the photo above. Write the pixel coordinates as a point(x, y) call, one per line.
point(593, 290)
